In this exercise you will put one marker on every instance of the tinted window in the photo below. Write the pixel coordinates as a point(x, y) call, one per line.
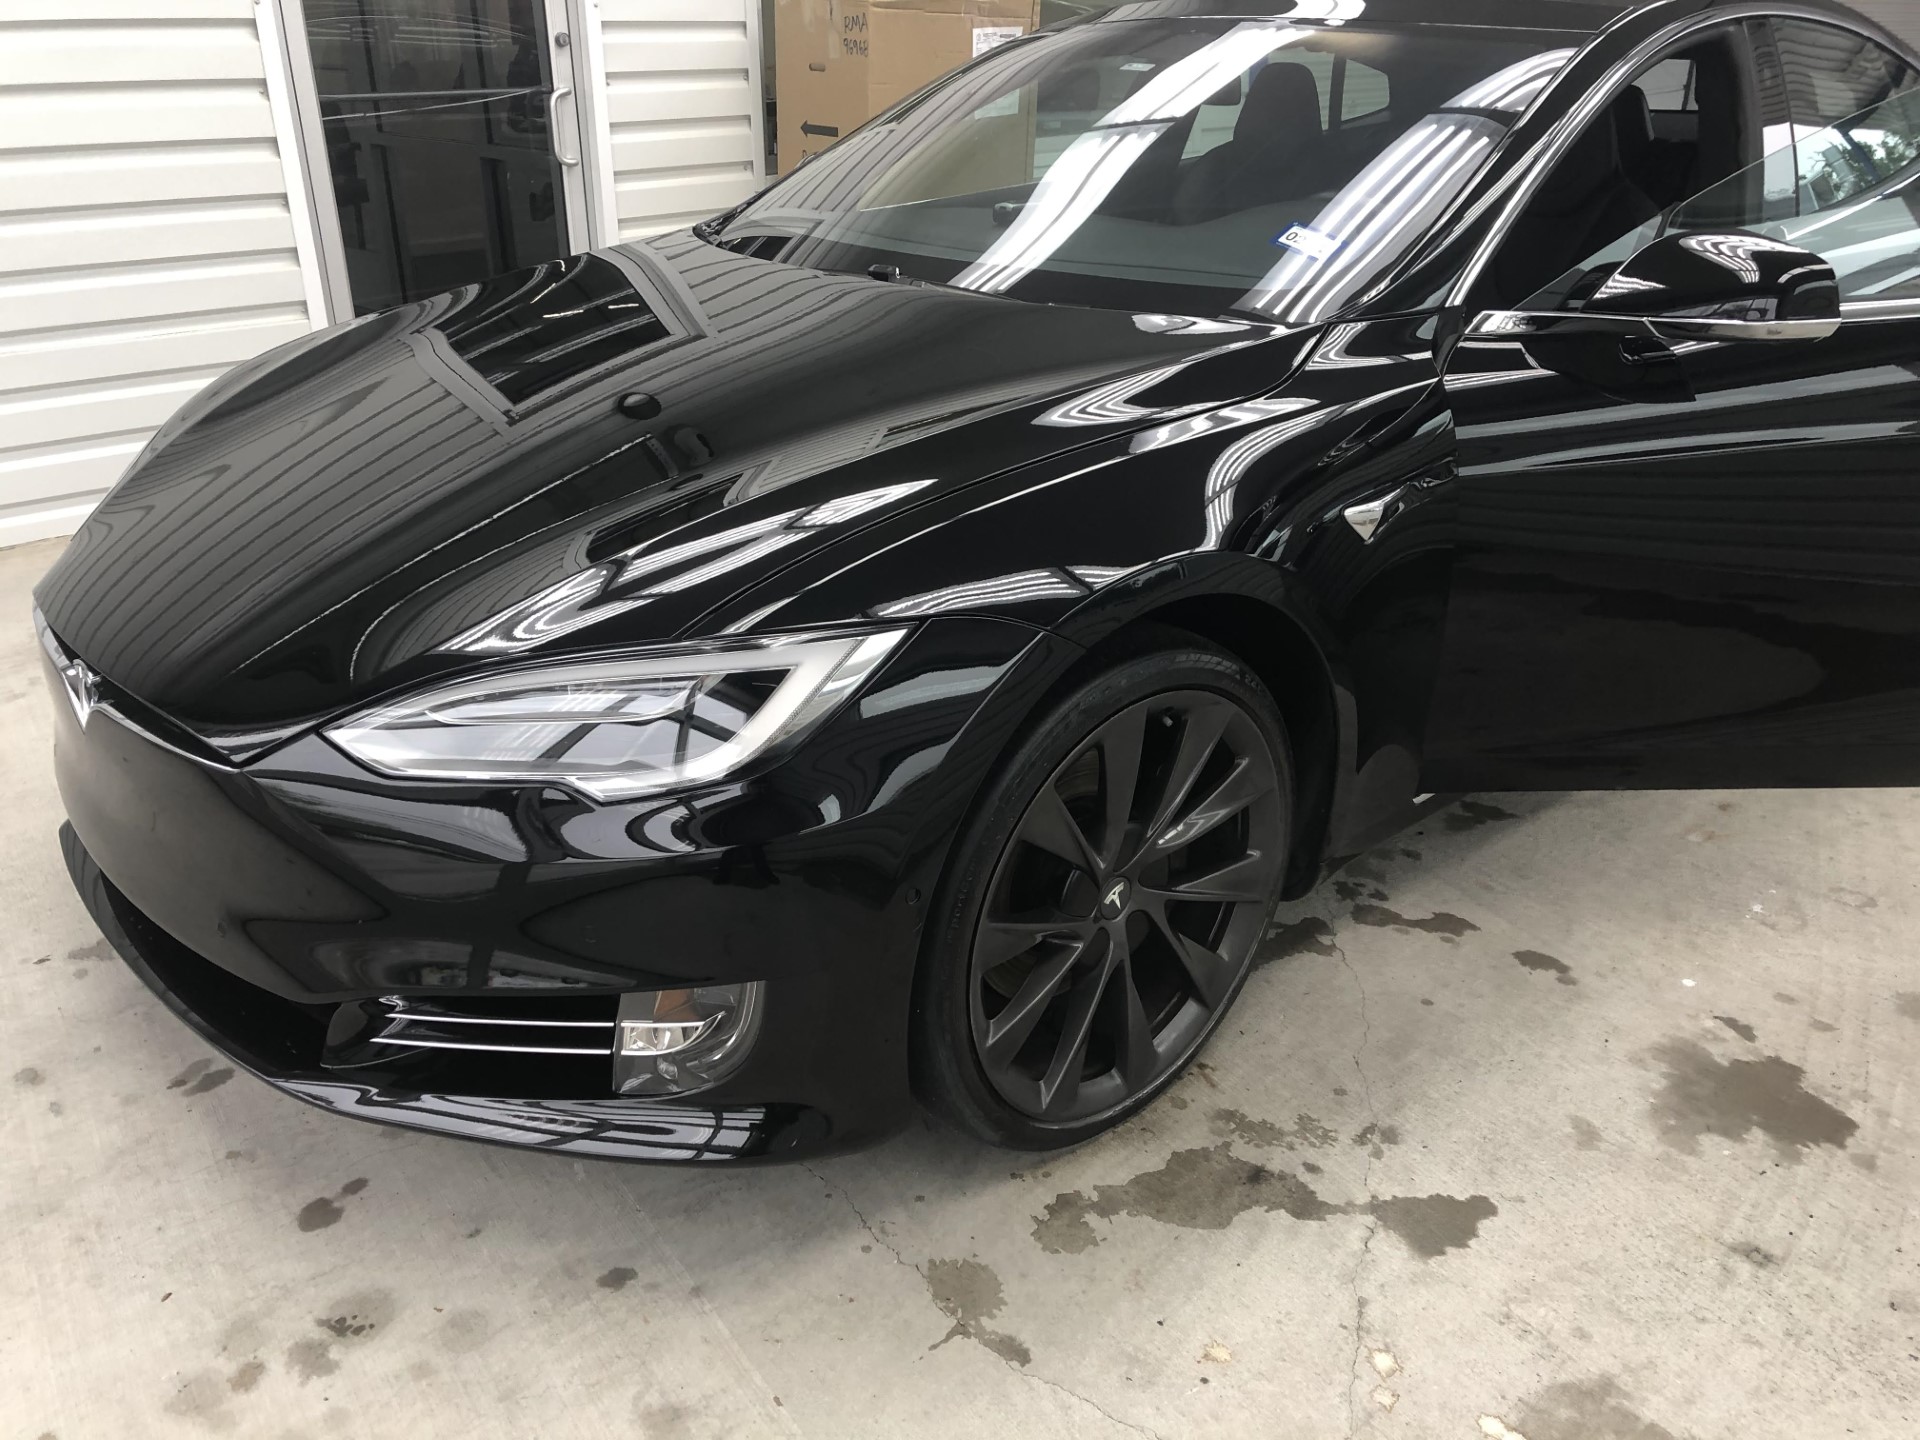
point(1191, 165)
point(1855, 143)
point(1695, 159)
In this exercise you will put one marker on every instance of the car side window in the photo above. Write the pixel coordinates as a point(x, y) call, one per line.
point(1855, 158)
point(1684, 135)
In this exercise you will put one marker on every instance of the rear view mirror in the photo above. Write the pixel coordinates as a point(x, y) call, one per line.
point(1708, 285)
point(1227, 94)
point(1724, 285)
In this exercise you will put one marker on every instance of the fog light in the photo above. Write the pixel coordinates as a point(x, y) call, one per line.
point(672, 1042)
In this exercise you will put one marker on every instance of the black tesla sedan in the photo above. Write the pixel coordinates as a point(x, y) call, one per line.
point(902, 635)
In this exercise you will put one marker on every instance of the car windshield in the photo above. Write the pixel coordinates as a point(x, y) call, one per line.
point(1191, 166)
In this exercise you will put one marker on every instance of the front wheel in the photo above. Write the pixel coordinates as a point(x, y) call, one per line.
point(1101, 912)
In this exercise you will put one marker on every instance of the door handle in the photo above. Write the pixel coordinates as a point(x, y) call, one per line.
point(559, 93)
point(1366, 517)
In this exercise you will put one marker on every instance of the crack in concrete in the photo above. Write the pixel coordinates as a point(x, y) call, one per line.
point(961, 1330)
point(1354, 1378)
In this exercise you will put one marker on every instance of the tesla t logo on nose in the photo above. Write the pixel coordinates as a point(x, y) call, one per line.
point(1115, 900)
point(82, 693)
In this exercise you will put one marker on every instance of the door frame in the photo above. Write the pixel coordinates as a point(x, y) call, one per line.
point(291, 87)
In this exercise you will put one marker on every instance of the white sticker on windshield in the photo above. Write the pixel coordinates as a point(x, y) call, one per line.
point(1307, 241)
point(985, 37)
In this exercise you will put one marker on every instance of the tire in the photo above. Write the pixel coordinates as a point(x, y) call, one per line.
point(1077, 904)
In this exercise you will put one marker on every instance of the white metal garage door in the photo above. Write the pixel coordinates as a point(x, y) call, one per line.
point(145, 237)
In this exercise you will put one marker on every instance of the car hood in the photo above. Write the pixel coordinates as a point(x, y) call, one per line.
point(597, 450)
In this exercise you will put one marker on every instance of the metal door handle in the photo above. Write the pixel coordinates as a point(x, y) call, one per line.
point(1366, 517)
point(553, 125)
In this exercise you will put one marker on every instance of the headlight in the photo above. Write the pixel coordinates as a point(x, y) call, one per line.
point(619, 727)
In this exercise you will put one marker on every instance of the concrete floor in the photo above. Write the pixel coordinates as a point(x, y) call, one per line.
point(1571, 1117)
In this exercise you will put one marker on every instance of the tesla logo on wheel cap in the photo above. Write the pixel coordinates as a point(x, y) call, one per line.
point(1115, 900)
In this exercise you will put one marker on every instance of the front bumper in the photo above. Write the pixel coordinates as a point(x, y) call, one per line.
point(264, 903)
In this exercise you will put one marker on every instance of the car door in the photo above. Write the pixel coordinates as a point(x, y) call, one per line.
point(1698, 564)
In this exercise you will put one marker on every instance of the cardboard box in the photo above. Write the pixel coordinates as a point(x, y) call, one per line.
point(838, 63)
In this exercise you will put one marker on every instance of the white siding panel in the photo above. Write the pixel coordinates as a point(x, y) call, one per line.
point(145, 238)
point(134, 54)
point(671, 145)
point(73, 413)
point(115, 237)
point(69, 357)
point(77, 117)
point(138, 176)
point(66, 473)
point(682, 104)
point(51, 301)
point(21, 12)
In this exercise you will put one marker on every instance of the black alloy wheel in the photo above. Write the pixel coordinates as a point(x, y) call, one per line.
point(1130, 879)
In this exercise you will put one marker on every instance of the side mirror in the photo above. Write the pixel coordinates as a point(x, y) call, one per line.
point(1718, 285)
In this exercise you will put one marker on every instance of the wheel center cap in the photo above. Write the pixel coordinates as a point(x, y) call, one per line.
point(1113, 900)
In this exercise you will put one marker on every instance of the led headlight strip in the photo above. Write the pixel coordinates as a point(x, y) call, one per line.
point(617, 727)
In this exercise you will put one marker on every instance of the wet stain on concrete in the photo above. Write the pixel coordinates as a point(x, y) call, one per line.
point(1305, 1130)
point(1472, 814)
point(1785, 999)
point(1751, 1253)
point(1854, 899)
point(202, 1398)
point(1821, 1027)
point(1448, 927)
point(352, 1320)
point(1355, 889)
point(618, 1278)
point(28, 1076)
point(99, 950)
point(1539, 960)
point(1868, 1163)
point(187, 1076)
point(1907, 1004)
point(311, 1360)
point(1594, 1409)
point(1208, 1189)
point(1311, 936)
point(1374, 1137)
point(1431, 1225)
point(1702, 1095)
point(212, 1080)
point(969, 1294)
point(318, 1214)
point(463, 1331)
point(1739, 1027)
point(1586, 1134)
point(246, 1376)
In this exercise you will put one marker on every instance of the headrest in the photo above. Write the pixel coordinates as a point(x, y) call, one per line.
point(1282, 102)
point(1632, 122)
point(1591, 162)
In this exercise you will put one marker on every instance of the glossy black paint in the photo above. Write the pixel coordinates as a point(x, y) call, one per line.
point(1734, 275)
point(1715, 580)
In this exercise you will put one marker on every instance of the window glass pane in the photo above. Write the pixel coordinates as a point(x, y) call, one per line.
point(1700, 161)
point(1362, 93)
point(435, 118)
point(1174, 164)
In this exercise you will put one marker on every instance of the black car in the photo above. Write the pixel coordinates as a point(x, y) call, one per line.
point(903, 634)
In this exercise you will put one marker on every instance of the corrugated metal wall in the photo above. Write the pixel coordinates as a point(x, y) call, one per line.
point(145, 238)
point(684, 107)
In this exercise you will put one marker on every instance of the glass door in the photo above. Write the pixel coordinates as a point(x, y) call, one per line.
point(451, 138)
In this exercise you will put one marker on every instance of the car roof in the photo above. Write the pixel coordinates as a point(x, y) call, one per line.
point(1581, 17)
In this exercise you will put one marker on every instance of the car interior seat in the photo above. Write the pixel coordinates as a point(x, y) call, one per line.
point(1587, 201)
point(1272, 155)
